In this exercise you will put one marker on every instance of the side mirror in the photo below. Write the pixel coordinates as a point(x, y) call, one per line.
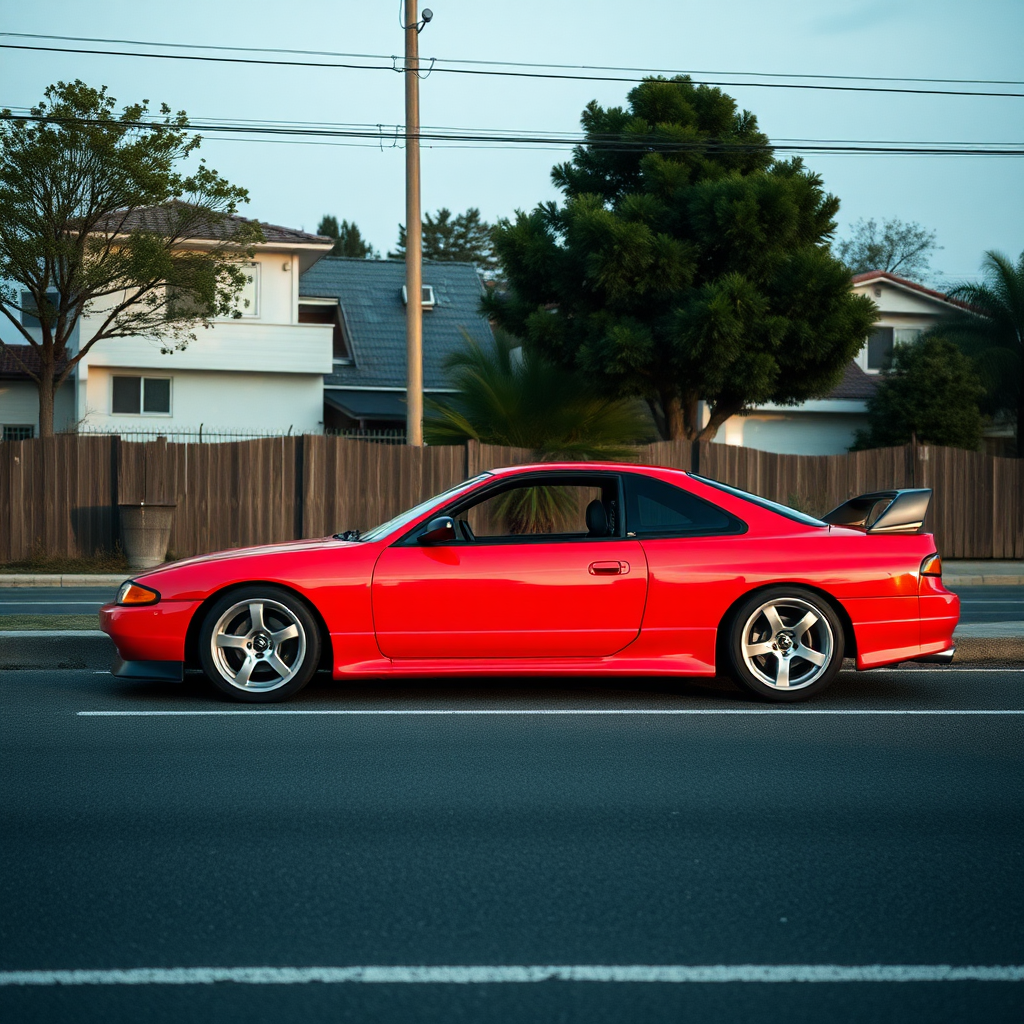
point(439, 531)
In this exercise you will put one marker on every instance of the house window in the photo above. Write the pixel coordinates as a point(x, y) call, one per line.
point(247, 301)
point(880, 344)
point(19, 432)
point(429, 301)
point(134, 396)
point(27, 302)
point(908, 335)
point(328, 313)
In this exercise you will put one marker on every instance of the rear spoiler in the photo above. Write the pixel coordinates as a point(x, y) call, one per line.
point(884, 511)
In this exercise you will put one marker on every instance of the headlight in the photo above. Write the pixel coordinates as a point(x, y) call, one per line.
point(134, 593)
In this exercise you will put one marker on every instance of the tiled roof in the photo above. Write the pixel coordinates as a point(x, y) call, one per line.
point(856, 384)
point(11, 369)
point(370, 293)
point(162, 218)
point(883, 275)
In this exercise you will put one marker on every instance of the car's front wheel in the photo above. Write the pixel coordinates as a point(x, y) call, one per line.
point(785, 644)
point(259, 644)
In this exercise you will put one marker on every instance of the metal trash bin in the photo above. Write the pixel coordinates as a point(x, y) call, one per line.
point(146, 532)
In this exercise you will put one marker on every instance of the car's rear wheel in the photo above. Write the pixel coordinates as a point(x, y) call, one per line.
point(259, 644)
point(785, 644)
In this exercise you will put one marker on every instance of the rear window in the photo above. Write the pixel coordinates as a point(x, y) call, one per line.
point(756, 499)
point(655, 508)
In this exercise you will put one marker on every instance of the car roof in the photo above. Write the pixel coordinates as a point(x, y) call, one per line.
point(585, 467)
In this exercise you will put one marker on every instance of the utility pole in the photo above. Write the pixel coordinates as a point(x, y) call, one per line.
point(413, 230)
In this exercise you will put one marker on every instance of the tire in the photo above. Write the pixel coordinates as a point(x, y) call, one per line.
point(243, 651)
point(785, 644)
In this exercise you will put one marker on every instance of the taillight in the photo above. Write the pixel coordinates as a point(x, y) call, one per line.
point(931, 566)
point(135, 593)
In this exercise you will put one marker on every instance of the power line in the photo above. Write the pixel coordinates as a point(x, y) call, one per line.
point(395, 67)
point(572, 136)
point(514, 64)
point(614, 143)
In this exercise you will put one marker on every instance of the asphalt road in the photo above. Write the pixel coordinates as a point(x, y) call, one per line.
point(978, 604)
point(990, 604)
point(251, 838)
point(54, 600)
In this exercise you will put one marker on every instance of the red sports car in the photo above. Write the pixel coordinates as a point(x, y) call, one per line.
point(557, 569)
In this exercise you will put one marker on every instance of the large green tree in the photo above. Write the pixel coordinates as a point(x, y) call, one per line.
point(447, 236)
point(930, 392)
point(95, 217)
point(990, 329)
point(686, 263)
point(348, 239)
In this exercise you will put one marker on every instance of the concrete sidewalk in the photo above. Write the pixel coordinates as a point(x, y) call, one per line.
point(954, 574)
point(978, 574)
point(13, 579)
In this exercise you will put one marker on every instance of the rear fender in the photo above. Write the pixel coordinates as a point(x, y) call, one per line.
point(849, 636)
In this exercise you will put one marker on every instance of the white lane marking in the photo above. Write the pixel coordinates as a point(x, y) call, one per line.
point(46, 604)
point(944, 669)
point(526, 974)
point(546, 711)
point(463, 975)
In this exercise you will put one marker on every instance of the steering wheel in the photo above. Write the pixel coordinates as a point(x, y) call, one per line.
point(467, 530)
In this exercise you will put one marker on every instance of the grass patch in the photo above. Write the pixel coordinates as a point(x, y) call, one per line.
point(9, 622)
point(107, 562)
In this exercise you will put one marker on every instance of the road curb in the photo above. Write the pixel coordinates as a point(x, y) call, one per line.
point(12, 579)
point(53, 649)
point(983, 581)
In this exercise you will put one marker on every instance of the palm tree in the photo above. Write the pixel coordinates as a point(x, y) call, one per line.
point(990, 329)
point(507, 395)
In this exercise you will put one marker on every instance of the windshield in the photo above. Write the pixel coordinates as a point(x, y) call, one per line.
point(404, 518)
point(756, 499)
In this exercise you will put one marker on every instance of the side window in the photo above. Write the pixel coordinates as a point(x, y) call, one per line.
point(655, 508)
point(555, 509)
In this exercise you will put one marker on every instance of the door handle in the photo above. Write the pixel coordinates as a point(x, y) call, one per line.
point(608, 568)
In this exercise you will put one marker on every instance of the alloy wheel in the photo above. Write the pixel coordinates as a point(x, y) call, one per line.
point(787, 643)
point(258, 645)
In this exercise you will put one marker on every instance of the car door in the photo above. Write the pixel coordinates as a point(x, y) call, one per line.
point(560, 595)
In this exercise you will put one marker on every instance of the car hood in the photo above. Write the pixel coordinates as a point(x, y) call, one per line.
point(289, 547)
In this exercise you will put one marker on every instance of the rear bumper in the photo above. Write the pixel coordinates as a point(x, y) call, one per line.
point(151, 671)
point(939, 657)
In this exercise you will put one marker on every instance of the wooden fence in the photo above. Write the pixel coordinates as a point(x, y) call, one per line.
point(59, 496)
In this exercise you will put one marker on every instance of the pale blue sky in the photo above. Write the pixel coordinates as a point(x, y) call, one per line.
point(973, 203)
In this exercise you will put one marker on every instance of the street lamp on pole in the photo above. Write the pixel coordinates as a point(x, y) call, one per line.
point(413, 228)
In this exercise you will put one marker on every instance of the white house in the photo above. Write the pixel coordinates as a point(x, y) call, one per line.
point(826, 426)
point(261, 373)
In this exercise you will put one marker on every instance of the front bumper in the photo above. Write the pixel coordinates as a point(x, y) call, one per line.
point(152, 632)
point(151, 671)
